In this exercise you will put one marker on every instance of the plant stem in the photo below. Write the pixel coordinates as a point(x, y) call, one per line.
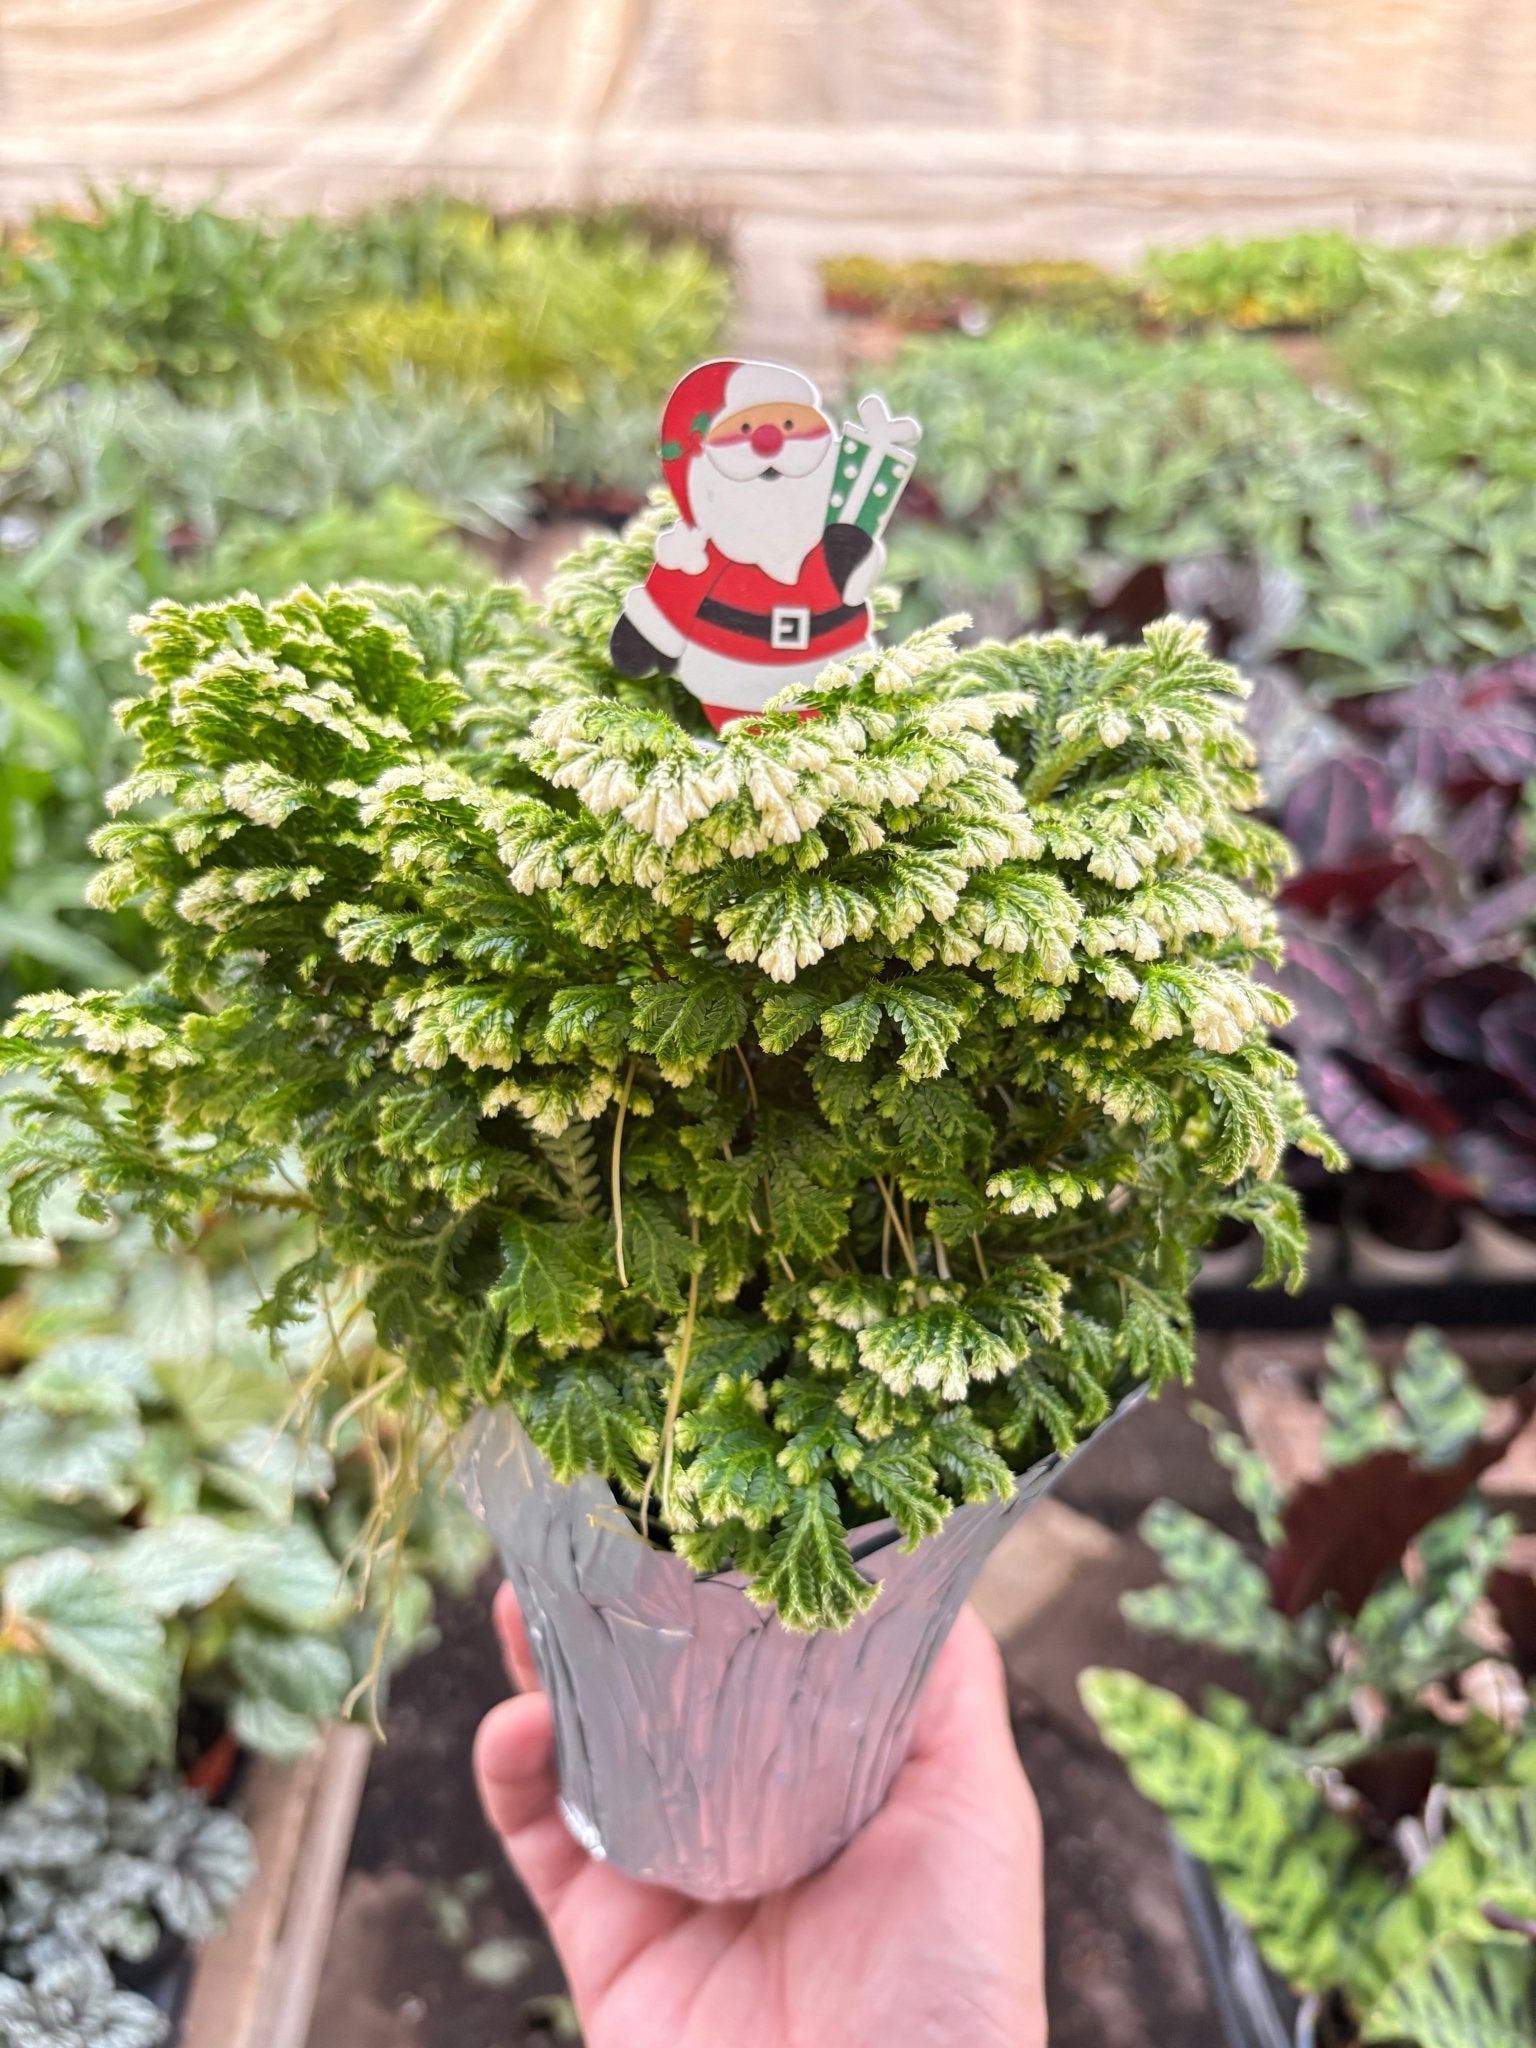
point(674, 1398)
point(613, 1171)
point(908, 1251)
point(359, 1402)
point(1509, 1923)
point(751, 1084)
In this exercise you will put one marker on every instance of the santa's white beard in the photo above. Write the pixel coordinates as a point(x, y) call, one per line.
point(771, 523)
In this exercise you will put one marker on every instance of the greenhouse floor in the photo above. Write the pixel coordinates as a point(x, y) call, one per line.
point(436, 1947)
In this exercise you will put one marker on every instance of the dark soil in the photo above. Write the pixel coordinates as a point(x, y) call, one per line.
point(429, 1907)
point(1120, 1970)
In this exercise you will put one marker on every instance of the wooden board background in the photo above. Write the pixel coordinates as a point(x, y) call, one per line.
point(255, 1985)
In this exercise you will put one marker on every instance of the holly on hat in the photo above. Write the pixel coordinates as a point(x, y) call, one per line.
point(707, 394)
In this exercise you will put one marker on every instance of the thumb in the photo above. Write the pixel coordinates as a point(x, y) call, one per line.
point(963, 1717)
point(520, 1791)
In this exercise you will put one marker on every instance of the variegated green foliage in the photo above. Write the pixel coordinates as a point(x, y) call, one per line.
point(1255, 1486)
point(85, 1878)
point(1466, 1994)
point(1417, 1624)
point(1428, 1930)
point(1299, 1875)
point(1215, 1593)
point(1416, 1628)
point(1440, 1960)
point(1452, 1961)
point(166, 1540)
point(1433, 1414)
point(814, 1126)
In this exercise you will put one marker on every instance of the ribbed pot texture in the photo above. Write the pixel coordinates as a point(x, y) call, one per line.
point(701, 1744)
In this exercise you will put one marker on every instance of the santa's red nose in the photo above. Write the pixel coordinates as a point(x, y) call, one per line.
point(767, 439)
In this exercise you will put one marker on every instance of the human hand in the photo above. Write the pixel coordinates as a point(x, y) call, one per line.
point(926, 1932)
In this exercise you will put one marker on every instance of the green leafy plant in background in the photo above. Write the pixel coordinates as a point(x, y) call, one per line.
point(1371, 1819)
point(541, 320)
point(177, 1556)
point(1477, 415)
point(434, 245)
point(124, 454)
point(115, 497)
point(1443, 310)
point(1311, 278)
point(443, 246)
point(570, 324)
point(937, 293)
point(130, 287)
point(154, 442)
point(1086, 483)
point(817, 1126)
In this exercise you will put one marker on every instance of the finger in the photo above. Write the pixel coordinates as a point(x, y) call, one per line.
point(512, 1634)
point(600, 1919)
point(964, 1708)
point(520, 1791)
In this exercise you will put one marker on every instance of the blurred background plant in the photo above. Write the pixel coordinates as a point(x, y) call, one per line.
point(1408, 931)
point(185, 1578)
point(1360, 1797)
point(1074, 482)
point(1309, 279)
point(180, 1569)
point(195, 403)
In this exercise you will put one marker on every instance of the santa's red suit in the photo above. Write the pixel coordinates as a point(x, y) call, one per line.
point(751, 593)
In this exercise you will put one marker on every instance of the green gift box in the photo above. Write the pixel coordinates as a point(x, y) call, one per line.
point(870, 478)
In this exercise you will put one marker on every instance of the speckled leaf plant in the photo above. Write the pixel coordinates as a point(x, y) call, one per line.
point(801, 1131)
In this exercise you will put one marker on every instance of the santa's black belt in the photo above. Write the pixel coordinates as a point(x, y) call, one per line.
point(759, 625)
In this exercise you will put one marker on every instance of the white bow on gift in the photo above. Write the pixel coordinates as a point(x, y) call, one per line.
point(885, 429)
point(883, 434)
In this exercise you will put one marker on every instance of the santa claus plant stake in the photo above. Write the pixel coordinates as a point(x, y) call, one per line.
point(766, 575)
point(778, 1153)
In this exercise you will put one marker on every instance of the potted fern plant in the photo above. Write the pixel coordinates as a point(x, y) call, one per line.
point(778, 1155)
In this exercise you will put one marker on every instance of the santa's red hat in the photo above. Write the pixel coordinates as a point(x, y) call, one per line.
point(707, 394)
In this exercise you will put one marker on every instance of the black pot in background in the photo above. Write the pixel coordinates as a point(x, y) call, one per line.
point(1255, 2008)
point(1401, 1231)
point(164, 1978)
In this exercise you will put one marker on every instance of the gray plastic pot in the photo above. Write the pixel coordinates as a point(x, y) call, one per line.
point(701, 1744)
point(1256, 2009)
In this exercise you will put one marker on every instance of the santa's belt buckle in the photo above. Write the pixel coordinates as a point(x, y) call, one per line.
point(789, 626)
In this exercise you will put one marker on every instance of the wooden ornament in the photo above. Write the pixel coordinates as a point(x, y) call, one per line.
point(766, 575)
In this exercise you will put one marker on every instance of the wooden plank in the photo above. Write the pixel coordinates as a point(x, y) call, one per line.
point(1036, 1562)
point(255, 1985)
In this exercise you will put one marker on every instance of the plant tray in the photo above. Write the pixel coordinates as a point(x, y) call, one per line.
point(254, 1986)
point(1468, 1302)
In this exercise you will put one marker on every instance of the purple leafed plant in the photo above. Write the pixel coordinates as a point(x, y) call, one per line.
point(1411, 935)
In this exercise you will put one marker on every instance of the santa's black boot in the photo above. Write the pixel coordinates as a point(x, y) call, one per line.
point(845, 547)
point(633, 655)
